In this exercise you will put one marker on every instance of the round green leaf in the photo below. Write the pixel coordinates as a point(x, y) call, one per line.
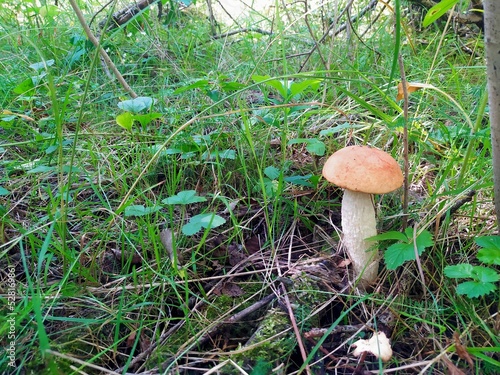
point(136, 105)
point(489, 256)
point(140, 210)
point(125, 120)
point(196, 223)
point(184, 197)
point(459, 271)
point(4, 191)
point(473, 289)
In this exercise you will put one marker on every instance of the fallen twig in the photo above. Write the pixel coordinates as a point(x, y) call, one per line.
point(101, 50)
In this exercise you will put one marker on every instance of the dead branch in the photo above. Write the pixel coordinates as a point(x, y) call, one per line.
point(102, 52)
point(244, 30)
point(124, 15)
point(372, 4)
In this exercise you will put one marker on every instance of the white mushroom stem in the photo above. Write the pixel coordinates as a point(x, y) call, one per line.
point(358, 223)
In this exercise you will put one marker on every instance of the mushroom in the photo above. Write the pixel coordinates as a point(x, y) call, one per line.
point(378, 345)
point(362, 171)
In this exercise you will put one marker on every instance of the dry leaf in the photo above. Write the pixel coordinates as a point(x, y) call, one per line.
point(166, 239)
point(452, 369)
point(131, 339)
point(236, 255)
point(411, 87)
point(252, 245)
point(461, 350)
point(27, 118)
point(229, 289)
point(123, 257)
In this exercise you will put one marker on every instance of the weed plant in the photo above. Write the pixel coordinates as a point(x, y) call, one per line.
point(124, 248)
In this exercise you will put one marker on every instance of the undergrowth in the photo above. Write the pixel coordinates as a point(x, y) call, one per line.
point(163, 244)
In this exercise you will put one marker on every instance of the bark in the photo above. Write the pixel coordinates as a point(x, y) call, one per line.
point(492, 43)
point(123, 16)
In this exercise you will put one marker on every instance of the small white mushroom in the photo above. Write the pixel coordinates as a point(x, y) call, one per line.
point(378, 345)
point(362, 171)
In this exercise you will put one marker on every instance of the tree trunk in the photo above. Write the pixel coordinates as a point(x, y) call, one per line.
point(492, 42)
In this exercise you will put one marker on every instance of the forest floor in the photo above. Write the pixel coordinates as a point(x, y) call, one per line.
point(190, 231)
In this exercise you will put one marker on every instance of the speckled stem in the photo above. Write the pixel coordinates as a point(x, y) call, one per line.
point(358, 223)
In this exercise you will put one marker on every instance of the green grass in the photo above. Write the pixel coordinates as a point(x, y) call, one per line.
point(95, 288)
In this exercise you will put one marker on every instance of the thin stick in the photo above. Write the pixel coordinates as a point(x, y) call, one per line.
point(242, 30)
point(371, 4)
point(295, 329)
point(313, 37)
point(102, 52)
point(406, 186)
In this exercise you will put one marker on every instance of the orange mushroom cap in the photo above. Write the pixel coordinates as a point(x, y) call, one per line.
point(364, 169)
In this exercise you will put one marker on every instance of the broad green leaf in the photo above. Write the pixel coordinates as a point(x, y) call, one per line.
point(41, 65)
point(224, 154)
point(215, 95)
point(271, 187)
point(41, 169)
point(313, 145)
point(227, 154)
point(392, 235)
point(5, 121)
point(274, 83)
point(300, 180)
point(196, 223)
point(231, 86)
point(437, 11)
point(316, 147)
point(488, 241)
point(72, 169)
point(145, 119)
point(297, 88)
point(459, 271)
point(4, 191)
point(137, 105)
point(202, 83)
point(485, 274)
point(490, 253)
point(184, 197)
point(474, 289)
point(37, 79)
point(51, 149)
point(24, 87)
point(489, 256)
point(400, 252)
point(140, 210)
point(272, 172)
point(258, 79)
point(424, 239)
point(125, 120)
point(397, 254)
